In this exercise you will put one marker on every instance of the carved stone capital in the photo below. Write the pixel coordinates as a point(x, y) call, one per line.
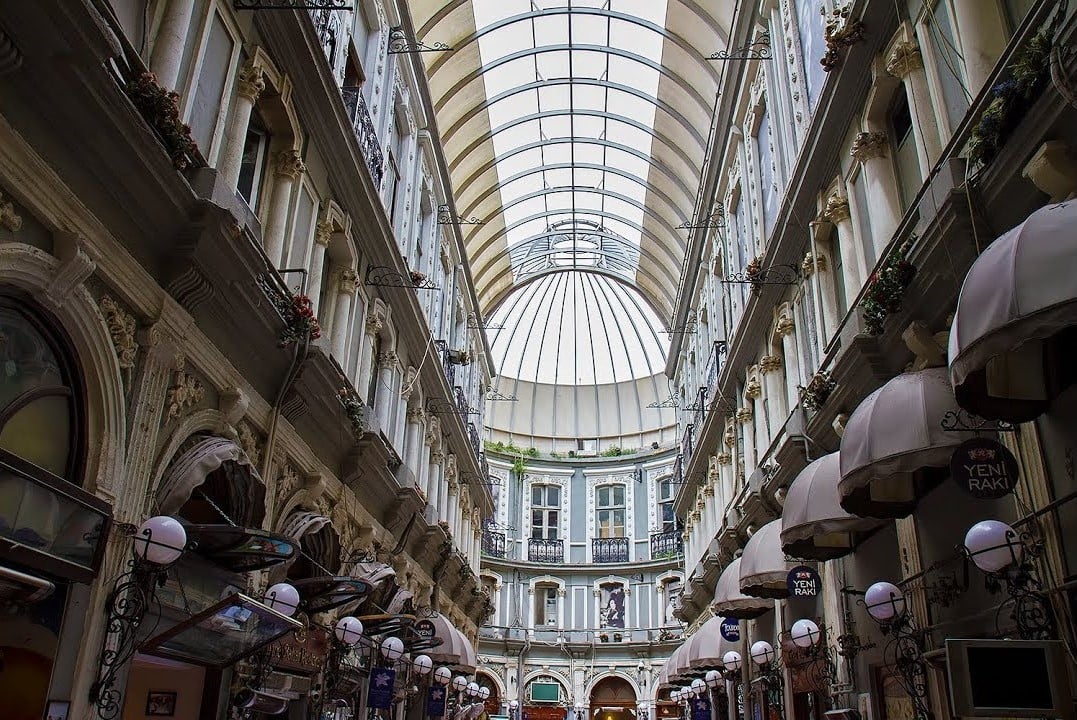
point(121, 327)
point(289, 164)
point(724, 458)
point(8, 217)
point(437, 457)
point(250, 83)
point(744, 415)
point(349, 281)
point(785, 325)
point(903, 59)
point(415, 414)
point(374, 324)
point(811, 263)
point(388, 360)
point(450, 466)
point(769, 363)
point(868, 145)
point(837, 209)
point(322, 233)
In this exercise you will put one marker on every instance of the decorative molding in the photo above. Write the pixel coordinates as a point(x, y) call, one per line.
point(122, 328)
point(401, 44)
point(289, 164)
point(837, 209)
point(744, 415)
point(8, 217)
point(250, 442)
point(904, 58)
point(869, 145)
point(724, 458)
point(185, 392)
point(251, 82)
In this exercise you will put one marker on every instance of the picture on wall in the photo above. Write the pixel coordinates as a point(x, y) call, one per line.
point(612, 612)
point(161, 703)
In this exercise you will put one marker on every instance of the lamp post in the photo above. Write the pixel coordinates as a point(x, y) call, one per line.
point(886, 605)
point(514, 709)
point(766, 659)
point(1007, 560)
point(282, 598)
point(158, 544)
point(810, 639)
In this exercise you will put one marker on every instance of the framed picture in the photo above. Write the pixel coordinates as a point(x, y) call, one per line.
point(57, 710)
point(161, 703)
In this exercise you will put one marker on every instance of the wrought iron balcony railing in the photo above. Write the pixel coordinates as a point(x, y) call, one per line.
point(545, 551)
point(609, 550)
point(493, 543)
point(687, 444)
point(446, 364)
point(699, 409)
point(666, 545)
point(365, 133)
point(473, 438)
point(677, 478)
point(461, 401)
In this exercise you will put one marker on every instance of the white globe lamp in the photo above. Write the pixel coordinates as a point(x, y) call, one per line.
point(699, 686)
point(392, 648)
point(160, 540)
point(805, 633)
point(348, 630)
point(884, 601)
point(993, 546)
point(283, 598)
point(713, 679)
point(732, 661)
point(443, 675)
point(422, 664)
point(762, 652)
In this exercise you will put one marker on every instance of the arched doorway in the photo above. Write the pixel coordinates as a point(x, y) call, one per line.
point(493, 703)
point(612, 698)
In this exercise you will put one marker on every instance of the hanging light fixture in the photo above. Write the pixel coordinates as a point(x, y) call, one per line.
point(805, 633)
point(762, 652)
point(993, 546)
point(160, 540)
point(392, 648)
point(443, 675)
point(283, 598)
point(348, 630)
point(422, 664)
point(885, 602)
point(713, 679)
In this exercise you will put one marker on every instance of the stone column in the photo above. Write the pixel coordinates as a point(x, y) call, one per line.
point(322, 235)
point(387, 362)
point(453, 507)
point(445, 498)
point(744, 417)
point(854, 261)
point(374, 325)
point(773, 388)
point(436, 482)
point(346, 288)
point(981, 32)
point(171, 39)
point(413, 436)
point(289, 166)
point(814, 269)
point(784, 330)
point(870, 150)
point(249, 85)
point(906, 64)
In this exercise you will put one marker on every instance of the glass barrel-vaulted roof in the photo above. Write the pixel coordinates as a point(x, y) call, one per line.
point(575, 130)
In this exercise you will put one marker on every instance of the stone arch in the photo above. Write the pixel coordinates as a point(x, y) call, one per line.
point(613, 675)
point(547, 672)
point(57, 286)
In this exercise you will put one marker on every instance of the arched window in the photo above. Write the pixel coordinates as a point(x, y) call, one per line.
point(40, 417)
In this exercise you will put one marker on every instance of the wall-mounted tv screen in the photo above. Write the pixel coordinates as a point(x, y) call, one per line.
point(1008, 678)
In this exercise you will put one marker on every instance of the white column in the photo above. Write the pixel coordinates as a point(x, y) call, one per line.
point(374, 325)
point(387, 362)
point(445, 496)
point(770, 371)
point(854, 262)
point(413, 443)
point(342, 312)
point(171, 39)
point(981, 32)
point(452, 506)
point(744, 417)
point(322, 235)
point(906, 63)
point(870, 148)
point(436, 483)
point(815, 269)
point(249, 85)
point(289, 167)
point(784, 329)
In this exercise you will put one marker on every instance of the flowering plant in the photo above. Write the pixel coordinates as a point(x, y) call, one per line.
point(819, 388)
point(354, 410)
point(886, 288)
point(301, 321)
point(417, 278)
point(160, 109)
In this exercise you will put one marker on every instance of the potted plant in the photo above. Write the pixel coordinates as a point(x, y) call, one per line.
point(460, 357)
point(886, 288)
point(417, 278)
point(300, 321)
point(815, 395)
point(160, 109)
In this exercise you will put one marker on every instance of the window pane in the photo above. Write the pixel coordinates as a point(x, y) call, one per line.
point(553, 495)
point(210, 87)
point(536, 495)
point(812, 38)
point(40, 432)
point(619, 495)
point(949, 66)
point(767, 180)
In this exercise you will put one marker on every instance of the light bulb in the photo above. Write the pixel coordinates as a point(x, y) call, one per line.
point(884, 601)
point(443, 675)
point(484, 693)
point(392, 648)
point(762, 652)
point(422, 664)
point(459, 683)
point(160, 540)
point(698, 686)
point(472, 689)
point(284, 598)
point(713, 679)
point(993, 545)
point(732, 660)
point(805, 633)
point(348, 630)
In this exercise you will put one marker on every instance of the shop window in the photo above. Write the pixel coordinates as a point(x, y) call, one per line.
point(253, 164)
point(39, 418)
point(545, 511)
point(545, 605)
point(610, 511)
point(903, 140)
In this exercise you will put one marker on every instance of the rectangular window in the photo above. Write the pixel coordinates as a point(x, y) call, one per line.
point(809, 350)
point(302, 229)
point(812, 40)
point(545, 511)
point(666, 516)
point(253, 163)
point(767, 182)
point(610, 517)
point(863, 221)
point(906, 163)
point(545, 606)
point(949, 65)
point(208, 93)
point(837, 263)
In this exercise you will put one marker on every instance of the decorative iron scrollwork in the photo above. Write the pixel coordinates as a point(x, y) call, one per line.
point(688, 329)
point(447, 217)
point(292, 4)
point(383, 276)
point(1028, 607)
point(475, 322)
point(904, 652)
point(758, 49)
point(669, 402)
point(401, 44)
point(962, 420)
point(496, 396)
point(714, 221)
point(441, 406)
point(783, 274)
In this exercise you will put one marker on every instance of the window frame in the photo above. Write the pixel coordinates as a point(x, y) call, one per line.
point(546, 509)
point(214, 8)
point(612, 509)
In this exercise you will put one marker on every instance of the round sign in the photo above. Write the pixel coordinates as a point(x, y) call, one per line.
point(804, 581)
point(984, 468)
point(730, 629)
point(424, 629)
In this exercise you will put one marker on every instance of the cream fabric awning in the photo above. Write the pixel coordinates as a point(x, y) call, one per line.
point(1015, 330)
point(455, 649)
point(763, 569)
point(705, 649)
point(894, 449)
point(814, 524)
point(730, 602)
point(243, 487)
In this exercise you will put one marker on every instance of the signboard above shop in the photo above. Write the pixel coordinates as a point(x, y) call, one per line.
point(984, 468)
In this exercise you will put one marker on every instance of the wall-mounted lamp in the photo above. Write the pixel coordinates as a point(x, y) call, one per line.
point(886, 605)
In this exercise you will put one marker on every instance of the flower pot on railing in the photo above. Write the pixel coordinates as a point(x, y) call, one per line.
point(815, 395)
point(460, 357)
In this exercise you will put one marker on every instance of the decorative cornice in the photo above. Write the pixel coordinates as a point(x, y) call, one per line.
point(868, 145)
point(904, 58)
point(121, 327)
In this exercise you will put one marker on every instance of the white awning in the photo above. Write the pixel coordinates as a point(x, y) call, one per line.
point(705, 649)
point(763, 568)
point(894, 449)
point(730, 602)
point(242, 486)
point(672, 668)
point(455, 649)
point(814, 524)
point(1014, 334)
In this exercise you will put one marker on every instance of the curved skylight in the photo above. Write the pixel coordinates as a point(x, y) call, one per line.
point(577, 327)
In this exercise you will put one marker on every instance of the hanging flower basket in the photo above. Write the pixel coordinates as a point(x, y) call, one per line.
point(460, 357)
point(754, 273)
point(417, 278)
point(354, 410)
point(886, 289)
point(818, 391)
point(300, 322)
point(160, 109)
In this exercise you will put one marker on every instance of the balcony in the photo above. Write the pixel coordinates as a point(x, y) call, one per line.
point(461, 401)
point(545, 551)
point(609, 550)
point(666, 545)
point(446, 364)
point(687, 444)
point(493, 544)
point(364, 132)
